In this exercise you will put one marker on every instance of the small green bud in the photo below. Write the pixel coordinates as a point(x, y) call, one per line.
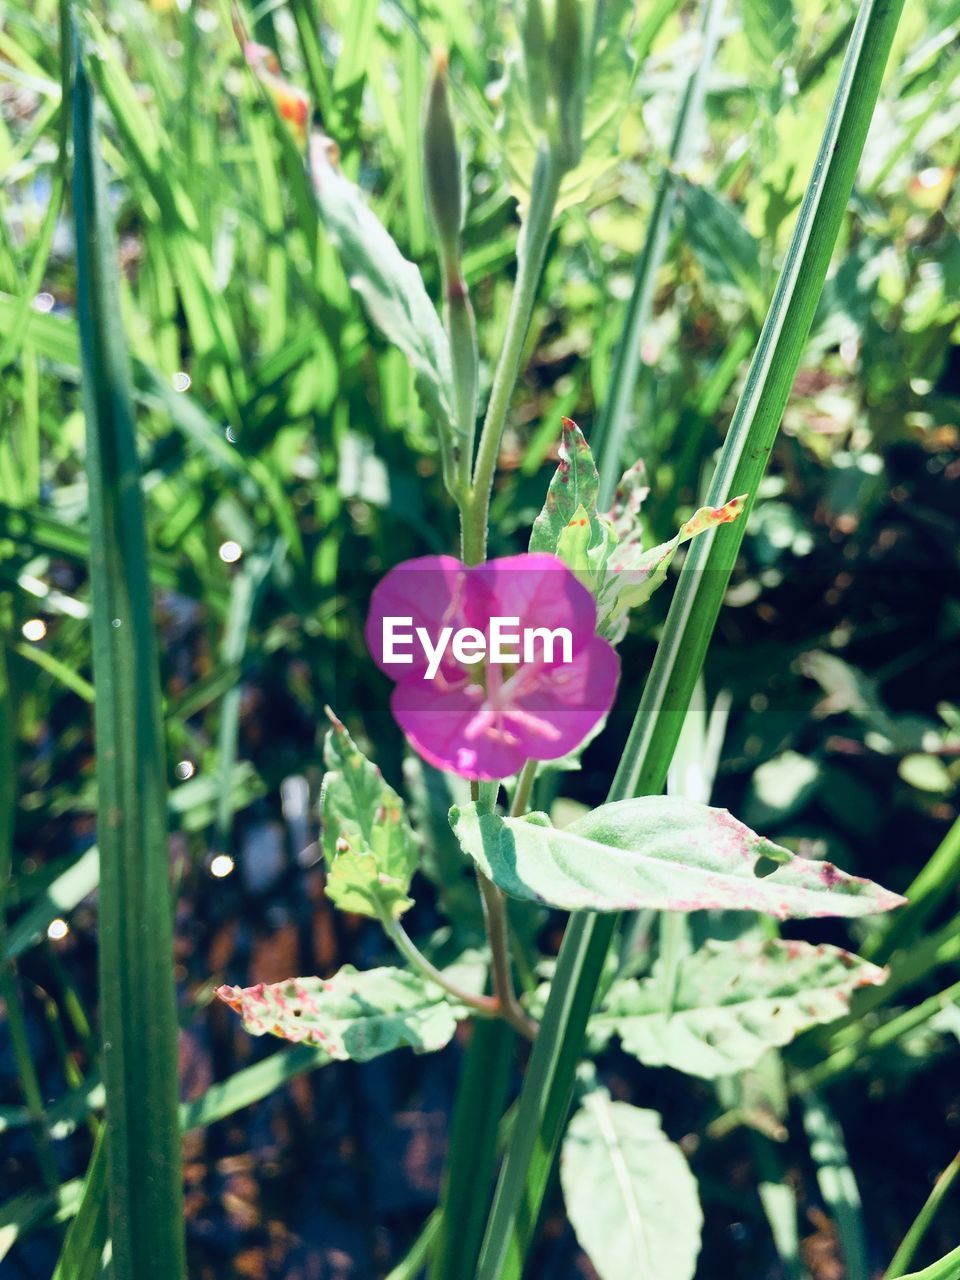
point(441, 162)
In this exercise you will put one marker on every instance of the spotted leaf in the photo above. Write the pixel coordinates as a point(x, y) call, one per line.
point(730, 1002)
point(569, 526)
point(351, 1015)
point(661, 852)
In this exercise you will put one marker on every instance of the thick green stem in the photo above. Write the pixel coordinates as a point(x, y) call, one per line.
point(531, 251)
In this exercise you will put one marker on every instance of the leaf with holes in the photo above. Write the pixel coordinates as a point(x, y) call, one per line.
point(731, 1002)
point(661, 852)
point(369, 845)
point(351, 1015)
point(629, 1192)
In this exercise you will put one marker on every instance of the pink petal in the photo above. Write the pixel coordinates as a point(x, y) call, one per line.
point(538, 589)
point(437, 726)
point(571, 698)
point(430, 591)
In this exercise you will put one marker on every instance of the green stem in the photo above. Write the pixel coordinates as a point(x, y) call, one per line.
point(521, 797)
point(929, 889)
point(914, 1237)
point(29, 1081)
point(531, 252)
point(853, 1054)
point(487, 1006)
point(495, 914)
point(411, 1266)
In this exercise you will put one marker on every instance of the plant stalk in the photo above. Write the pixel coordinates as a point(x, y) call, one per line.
point(531, 252)
point(485, 1006)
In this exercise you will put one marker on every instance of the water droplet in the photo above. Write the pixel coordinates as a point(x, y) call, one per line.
point(43, 302)
point(230, 551)
point(34, 629)
point(181, 381)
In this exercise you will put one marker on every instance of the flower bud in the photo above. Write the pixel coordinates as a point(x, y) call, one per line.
point(441, 162)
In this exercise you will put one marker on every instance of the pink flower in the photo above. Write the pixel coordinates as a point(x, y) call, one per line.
point(495, 664)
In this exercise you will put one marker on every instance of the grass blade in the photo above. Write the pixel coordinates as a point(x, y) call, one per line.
point(918, 1229)
point(481, 1098)
point(930, 888)
point(612, 423)
point(545, 1098)
point(138, 1016)
point(82, 1252)
point(948, 1268)
point(837, 1182)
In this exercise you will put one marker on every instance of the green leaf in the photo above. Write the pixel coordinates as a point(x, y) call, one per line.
point(608, 73)
point(631, 575)
point(575, 485)
point(732, 1002)
point(770, 28)
point(837, 1182)
point(606, 552)
point(947, 1268)
point(781, 787)
point(137, 1010)
point(629, 1192)
point(661, 852)
point(81, 1257)
point(393, 294)
point(569, 525)
point(370, 847)
point(355, 883)
point(352, 1015)
point(728, 252)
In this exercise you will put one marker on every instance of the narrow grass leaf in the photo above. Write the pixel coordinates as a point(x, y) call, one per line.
point(82, 1253)
point(838, 1184)
point(138, 1016)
